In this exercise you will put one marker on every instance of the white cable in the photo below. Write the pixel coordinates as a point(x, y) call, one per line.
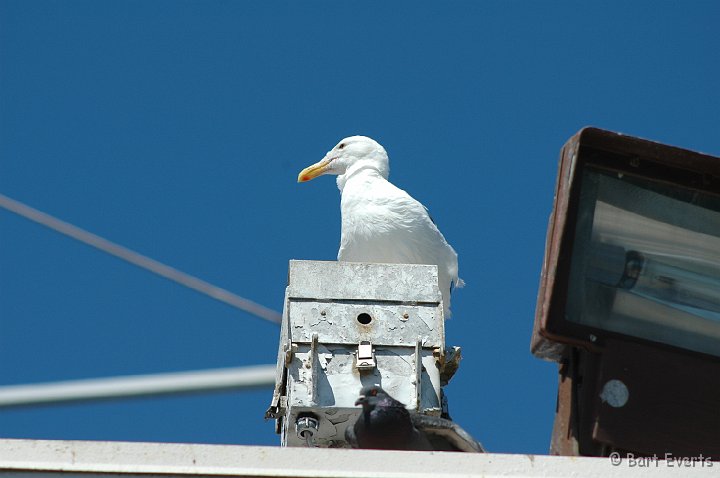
point(138, 259)
point(138, 386)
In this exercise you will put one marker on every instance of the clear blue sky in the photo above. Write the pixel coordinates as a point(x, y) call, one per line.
point(178, 128)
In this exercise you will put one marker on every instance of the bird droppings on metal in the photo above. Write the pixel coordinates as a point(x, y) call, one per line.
point(384, 327)
point(324, 357)
point(337, 418)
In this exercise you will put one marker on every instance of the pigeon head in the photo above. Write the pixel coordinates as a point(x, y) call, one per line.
point(384, 423)
point(350, 155)
point(373, 395)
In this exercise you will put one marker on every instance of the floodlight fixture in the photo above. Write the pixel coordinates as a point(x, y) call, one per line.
point(633, 248)
point(631, 282)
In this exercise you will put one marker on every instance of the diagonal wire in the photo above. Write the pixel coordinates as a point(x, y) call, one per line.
point(139, 260)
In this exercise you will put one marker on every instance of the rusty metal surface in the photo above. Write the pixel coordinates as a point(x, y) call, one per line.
point(542, 345)
point(662, 402)
point(563, 440)
point(575, 416)
point(671, 404)
point(618, 393)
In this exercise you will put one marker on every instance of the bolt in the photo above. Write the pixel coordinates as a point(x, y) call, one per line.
point(323, 313)
point(593, 338)
point(306, 428)
point(405, 316)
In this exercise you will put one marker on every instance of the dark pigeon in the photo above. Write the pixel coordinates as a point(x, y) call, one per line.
point(386, 424)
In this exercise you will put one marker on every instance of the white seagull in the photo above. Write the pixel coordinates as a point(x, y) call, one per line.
point(380, 222)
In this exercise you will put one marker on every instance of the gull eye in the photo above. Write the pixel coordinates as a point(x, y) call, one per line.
point(341, 146)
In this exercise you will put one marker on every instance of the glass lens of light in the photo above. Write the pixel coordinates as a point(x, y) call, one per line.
point(646, 261)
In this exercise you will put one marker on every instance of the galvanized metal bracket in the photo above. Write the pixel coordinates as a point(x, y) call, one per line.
point(289, 349)
point(365, 356)
point(311, 363)
point(329, 349)
point(418, 373)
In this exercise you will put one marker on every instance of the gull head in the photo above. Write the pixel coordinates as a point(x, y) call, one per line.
point(350, 155)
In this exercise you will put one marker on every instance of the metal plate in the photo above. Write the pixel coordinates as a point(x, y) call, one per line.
point(404, 283)
point(390, 324)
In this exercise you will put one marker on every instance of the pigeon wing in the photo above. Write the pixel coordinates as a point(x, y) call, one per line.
point(350, 437)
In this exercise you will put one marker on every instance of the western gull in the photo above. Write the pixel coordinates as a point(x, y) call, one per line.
point(380, 222)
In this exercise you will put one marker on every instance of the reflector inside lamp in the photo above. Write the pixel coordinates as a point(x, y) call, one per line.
point(646, 261)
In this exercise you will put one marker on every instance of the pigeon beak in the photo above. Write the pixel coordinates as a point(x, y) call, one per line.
point(360, 400)
point(315, 170)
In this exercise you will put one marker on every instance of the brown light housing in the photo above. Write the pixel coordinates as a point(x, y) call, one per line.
point(633, 248)
point(629, 299)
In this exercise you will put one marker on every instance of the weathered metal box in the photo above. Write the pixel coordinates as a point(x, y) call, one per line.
point(347, 325)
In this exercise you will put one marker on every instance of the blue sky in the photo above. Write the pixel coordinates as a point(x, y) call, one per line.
point(178, 128)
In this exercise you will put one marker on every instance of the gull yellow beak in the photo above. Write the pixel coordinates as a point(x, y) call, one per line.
point(313, 171)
